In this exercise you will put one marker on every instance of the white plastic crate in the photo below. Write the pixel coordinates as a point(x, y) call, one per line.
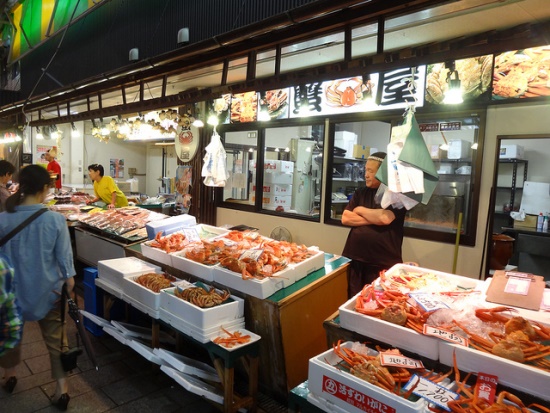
point(202, 318)
point(392, 334)
point(351, 393)
point(523, 377)
point(201, 335)
point(314, 263)
point(114, 270)
point(256, 288)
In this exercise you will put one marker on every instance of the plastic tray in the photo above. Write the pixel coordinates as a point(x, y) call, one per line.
point(194, 385)
point(253, 338)
point(187, 365)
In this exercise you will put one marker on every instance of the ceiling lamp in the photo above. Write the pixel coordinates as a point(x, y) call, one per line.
point(39, 135)
point(453, 95)
point(75, 133)
point(197, 123)
point(54, 132)
point(213, 120)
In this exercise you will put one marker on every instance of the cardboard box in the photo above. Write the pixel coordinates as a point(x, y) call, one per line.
point(459, 149)
point(277, 178)
point(530, 222)
point(511, 152)
point(361, 151)
point(279, 166)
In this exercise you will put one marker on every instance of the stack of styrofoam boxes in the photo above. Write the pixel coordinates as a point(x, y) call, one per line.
point(112, 272)
point(277, 189)
point(202, 324)
point(140, 297)
point(345, 140)
point(331, 385)
point(169, 225)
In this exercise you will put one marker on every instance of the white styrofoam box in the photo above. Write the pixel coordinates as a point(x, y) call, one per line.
point(450, 280)
point(95, 319)
point(351, 393)
point(155, 253)
point(392, 334)
point(146, 352)
point(115, 291)
point(528, 379)
point(152, 312)
point(459, 149)
point(114, 270)
point(277, 178)
point(279, 166)
point(207, 232)
point(276, 189)
point(511, 152)
point(194, 385)
point(187, 365)
point(201, 335)
point(256, 288)
point(202, 271)
point(169, 225)
point(445, 169)
point(324, 404)
point(133, 331)
point(131, 288)
point(314, 263)
point(203, 318)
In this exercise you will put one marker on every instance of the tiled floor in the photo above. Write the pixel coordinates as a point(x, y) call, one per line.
point(125, 382)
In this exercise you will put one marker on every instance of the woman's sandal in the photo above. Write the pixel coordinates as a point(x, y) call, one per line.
point(63, 402)
point(10, 384)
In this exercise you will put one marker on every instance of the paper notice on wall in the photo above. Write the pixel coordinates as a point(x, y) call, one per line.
point(535, 198)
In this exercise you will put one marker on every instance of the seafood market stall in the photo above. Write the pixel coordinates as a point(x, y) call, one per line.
point(286, 311)
point(103, 234)
point(448, 322)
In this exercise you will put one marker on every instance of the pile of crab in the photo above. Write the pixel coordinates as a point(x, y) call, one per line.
point(247, 253)
point(496, 330)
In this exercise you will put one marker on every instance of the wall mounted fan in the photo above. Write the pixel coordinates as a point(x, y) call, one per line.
point(281, 234)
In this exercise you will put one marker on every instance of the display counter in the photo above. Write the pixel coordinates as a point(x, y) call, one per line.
point(290, 322)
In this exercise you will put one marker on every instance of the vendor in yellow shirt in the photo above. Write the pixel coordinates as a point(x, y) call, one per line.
point(105, 188)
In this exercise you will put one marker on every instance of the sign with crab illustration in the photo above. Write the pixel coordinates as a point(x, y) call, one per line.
point(187, 143)
point(522, 74)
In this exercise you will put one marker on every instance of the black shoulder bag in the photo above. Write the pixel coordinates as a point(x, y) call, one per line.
point(22, 225)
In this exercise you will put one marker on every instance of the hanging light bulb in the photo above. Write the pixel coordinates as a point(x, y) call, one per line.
point(39, 135)
point(213, 120)
point(54, 133)
point(453, 95)
point(104, 129)
point(197, 123)
point(75, 133)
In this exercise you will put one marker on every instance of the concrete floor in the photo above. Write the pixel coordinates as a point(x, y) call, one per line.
point(125, 382)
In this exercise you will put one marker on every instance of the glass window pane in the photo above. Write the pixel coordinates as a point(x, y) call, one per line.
point(293, 169)
point(240, 148)
point(313, 52)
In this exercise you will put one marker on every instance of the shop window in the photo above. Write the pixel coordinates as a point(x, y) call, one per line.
point(240, 148)
point(293, 169)
point(284, 178)
point(454, 143)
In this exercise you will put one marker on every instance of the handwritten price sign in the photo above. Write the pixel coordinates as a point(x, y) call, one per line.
point(431, 391)
point(191, 235)
point(445, 335)
point(428, 301)
point(396, 360)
